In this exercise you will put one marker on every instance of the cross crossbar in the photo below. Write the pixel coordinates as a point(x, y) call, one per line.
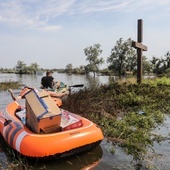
point(139, 45)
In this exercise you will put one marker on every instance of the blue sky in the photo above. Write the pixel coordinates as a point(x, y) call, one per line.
point(54, 33)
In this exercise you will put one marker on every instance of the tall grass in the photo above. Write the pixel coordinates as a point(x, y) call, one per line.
point(9, 84)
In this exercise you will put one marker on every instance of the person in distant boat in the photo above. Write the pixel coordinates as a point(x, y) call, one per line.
point(47, 81)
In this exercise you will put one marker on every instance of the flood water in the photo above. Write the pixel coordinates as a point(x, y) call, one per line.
point(100, 158)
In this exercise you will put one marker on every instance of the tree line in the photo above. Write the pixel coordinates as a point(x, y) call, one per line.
point(121, 62)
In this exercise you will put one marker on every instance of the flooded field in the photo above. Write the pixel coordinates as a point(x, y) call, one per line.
point(99, 158)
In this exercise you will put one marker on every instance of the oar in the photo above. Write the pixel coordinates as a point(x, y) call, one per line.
point(77, 85)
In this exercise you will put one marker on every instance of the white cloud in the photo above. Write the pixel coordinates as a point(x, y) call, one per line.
point(20, 14)
point(37, 14)
point(50, 28)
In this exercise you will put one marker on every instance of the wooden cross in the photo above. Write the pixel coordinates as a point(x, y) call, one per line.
point(140, 47)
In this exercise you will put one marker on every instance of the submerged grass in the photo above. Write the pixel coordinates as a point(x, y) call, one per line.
point(9, 84)
point(126, 112)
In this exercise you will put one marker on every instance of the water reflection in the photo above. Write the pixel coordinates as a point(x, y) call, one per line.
point(35, 80)
point(81, 161)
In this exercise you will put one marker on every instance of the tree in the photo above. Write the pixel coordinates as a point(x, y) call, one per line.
point(69, 68)
point(167, 60)
point(20, 67)
point(34, 67)
point(92, 53)
point(122, 58)
point(131, 61)
point(79, 70)
point(147, 68)
point(158, 65)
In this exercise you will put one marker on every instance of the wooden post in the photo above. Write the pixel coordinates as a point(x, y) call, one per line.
point(140, 47)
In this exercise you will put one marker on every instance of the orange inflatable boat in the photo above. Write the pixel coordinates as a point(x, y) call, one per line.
point(75, 138)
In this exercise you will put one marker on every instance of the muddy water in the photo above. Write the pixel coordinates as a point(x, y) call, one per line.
point(99, 158)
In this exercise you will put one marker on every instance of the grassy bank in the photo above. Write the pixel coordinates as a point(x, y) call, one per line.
point(126, 112)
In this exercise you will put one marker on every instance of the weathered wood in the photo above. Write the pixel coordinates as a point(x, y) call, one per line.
point(140, 47)
point(140, 30)
point(139, 65)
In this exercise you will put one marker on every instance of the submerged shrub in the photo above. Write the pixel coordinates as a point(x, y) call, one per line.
point(126, 112)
